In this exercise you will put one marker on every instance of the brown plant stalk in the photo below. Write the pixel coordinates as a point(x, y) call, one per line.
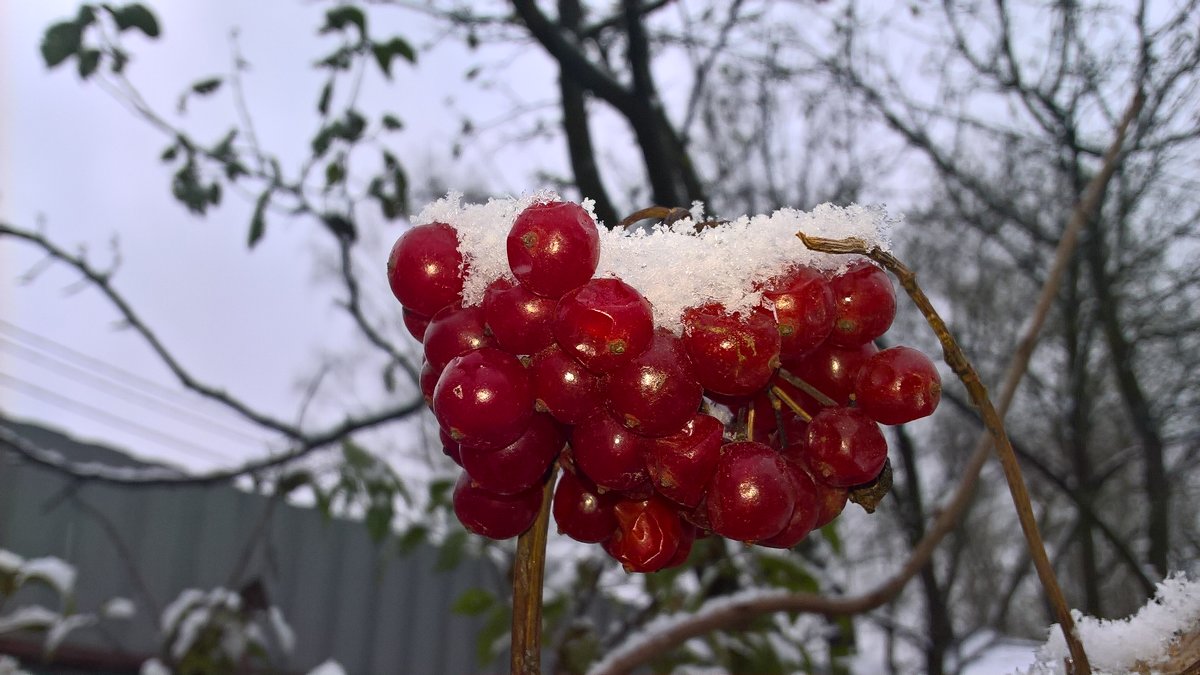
point(733, 613)
point(528, 573)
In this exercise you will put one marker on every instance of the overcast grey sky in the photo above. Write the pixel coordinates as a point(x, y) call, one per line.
point(73, 159)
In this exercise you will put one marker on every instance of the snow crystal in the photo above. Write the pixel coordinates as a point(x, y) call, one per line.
point(672, 265)
point(182, 603)
point(10, 562)
point(1116, 646)
point(154, 667)
point(63, 627)
point(27, 617)
point(119, 608)
point(54, 571)
point(188, 630)
point(10, 666)
point(287, 638)
point(330, 667)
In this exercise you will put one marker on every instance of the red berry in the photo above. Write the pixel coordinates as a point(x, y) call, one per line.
point(454, 331)
point(832, 369)
point(865, 304)
point(484, 398)
point(428, 381)
point(553, 247)
point(803, 309)
point(898, 385)
point(563, 387)
point(450, 447)
point(682, 464)
point(736, 354)
point(415, 323)
point(844, 447)
point(752, 495)
point(612, 456)
point(492, 515)
point(425, 268)
point(519, 465)
point(805, 513)
point(656, 393)
point(581, 512)
point(832, 501)
point(684, 549)
point(648, 535)
point(520, 321)
point(605, 323)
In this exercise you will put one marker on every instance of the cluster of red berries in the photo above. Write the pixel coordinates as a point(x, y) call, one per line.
point(558, 366)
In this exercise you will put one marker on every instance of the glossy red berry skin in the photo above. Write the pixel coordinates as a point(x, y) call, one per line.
point(428, 381)
point(682, 464)
point(581, 512)
point(450, 447)
point(832, 501)
point(805, 513)
point(553, 247)
point(656, 393)
point(492, 515)
point(804, 310)
point(563, 387)
point(484, 398)
point(898, 385)
point(751, 496)
point(736, 354)
point(610, 455)
point(604, 324)
point(520, 322)
point(833, 369)
point(454, 331)
point(864, 304)
point(415, 323)
point(844, 447)
point(648, 535)
point(519, 465)
point(425, 268)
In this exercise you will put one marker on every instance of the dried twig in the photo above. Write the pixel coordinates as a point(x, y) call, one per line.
point(527, 589)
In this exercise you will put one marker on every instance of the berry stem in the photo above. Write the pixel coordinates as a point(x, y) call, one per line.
point(807, 388)
point(527, 589)
point(791, 403)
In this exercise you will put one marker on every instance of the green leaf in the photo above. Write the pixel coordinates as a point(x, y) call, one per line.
point(258, 222)
point(89, 61)
point(136, 16)
point(831, 535)
point(452, 552)
point(386, 51)
point(341, 59)
point(293, 481)
point(498, 625)
point(60, 42)
point(356, 456)
point(412, 537)
point(326, 95)
point(379, 521)
point(340, 17)
point(340, 225)
point(439, 491)
point(335, 172)
point(392, 123)
point(787, 573)
point(119, 60)
point(207, 86)
point(473, 602)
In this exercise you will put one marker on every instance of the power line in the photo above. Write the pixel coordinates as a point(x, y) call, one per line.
point(49, 345)
point(105, 417)
point(123, 391)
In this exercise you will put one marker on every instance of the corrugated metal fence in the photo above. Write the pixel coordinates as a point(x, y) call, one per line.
point(369, 607)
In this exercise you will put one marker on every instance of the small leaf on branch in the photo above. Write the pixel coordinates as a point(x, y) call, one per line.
point(412, 537)
point(89, 61)
point(258, 222)
point(293, 481)
point(136, 16)
point(207, 86)
point(473, 602)
point(392, 123)
point(453, 550)
point(61, 41)
point(379, 520)
point(335, 172)
point(385, 51)
point(326, 95)
point(340, 17)
point(340, 226)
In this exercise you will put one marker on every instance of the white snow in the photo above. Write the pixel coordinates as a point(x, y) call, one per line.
point(1113, 647)
point(10, 562)
point(330, 667)
point(10, 666)
point(287, 638)
point(54, 571)
point(181, 604)
point(63, 627)
point(154, 667)
point(673, 266)
point(27, 617)
point(119, 608)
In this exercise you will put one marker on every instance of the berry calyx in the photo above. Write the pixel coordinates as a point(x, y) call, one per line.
point(425, 268)
point(553, 247)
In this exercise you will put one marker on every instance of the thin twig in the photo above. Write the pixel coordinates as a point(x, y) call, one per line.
point(527, 589)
